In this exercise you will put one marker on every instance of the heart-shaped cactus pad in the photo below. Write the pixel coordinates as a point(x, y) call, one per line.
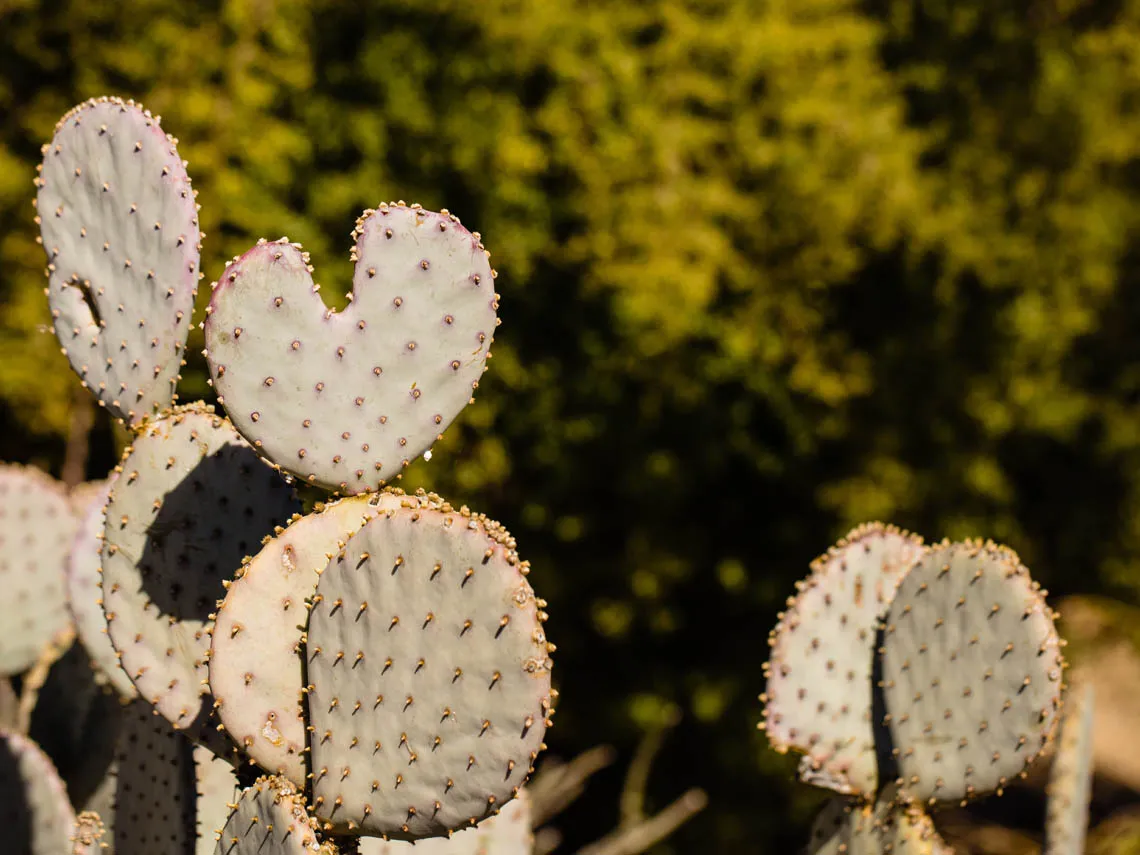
point(347, 399)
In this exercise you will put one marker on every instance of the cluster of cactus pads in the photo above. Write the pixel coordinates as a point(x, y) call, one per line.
point(910, 676)
point(356, 673)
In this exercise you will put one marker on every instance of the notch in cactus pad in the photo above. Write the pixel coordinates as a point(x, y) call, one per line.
point(191, 500)
point(119, 225)
point(819, 676)
point(429, 675)
point(347, 399)
point(851, 827)
point(971, 669)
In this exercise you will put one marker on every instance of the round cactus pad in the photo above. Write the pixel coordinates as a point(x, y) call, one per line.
point(85, 599)
point(429, 675)
point(971, 669)
point(819, 676)
point(347, 399)
point(36, 529)
point(849, 827)
point(37, 816)
point(120, 228)
point(270, 818)
point(190, 501)
point(255, 665)
point(507, 833)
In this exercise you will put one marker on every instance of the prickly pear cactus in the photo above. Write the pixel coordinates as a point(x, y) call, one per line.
point(507, 833)
point(270, 818)
point(971, 672)
point(216, 789)
point(36, 528)
point(190, 501)
point(85, 599)
point(34, 809)
point(429, 675)
point(255, 667)
point(852, 827)
point(1070, 781)
point(347, 399)
point(819, 675)
point(119, 225)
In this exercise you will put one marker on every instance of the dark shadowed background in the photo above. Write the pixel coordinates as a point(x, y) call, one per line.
point(768, 269)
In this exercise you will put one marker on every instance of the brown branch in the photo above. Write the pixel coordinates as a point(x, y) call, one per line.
point(78, 438)
point(636, 838)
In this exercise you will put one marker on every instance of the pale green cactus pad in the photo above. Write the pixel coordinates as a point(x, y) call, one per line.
point(87, 835)
point(120, 228)
point(819, 676)
point(190, 501)
point(217, 789)
point(270, 818)
point(506, 833)
point(155, 792)
point(429, 675)
point(851, 827)
point(36, 529)
point(347, 399)
point(85, 599)
point(34, 809)
point(971, 669)
point(1070, 780)
point(255, 665)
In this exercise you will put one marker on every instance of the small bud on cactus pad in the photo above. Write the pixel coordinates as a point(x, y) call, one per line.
point(1070, 780)
point(87, 836)
point(34, 809)
point(119, 225)
point(347, 399)
point(36, 529)
point(849, 827)
point(85, 598)
point(429, 676)
point(270, 818)
point(819, 677)
point(508, 833)
point(971, 668)
point(190, 501)
point(255, 662)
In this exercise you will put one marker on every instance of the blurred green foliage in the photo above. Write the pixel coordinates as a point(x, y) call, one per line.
point(768, 269)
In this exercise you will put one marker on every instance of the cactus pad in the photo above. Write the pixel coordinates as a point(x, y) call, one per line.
point(508, 833)
point(429, 675)
point(119, 225)
point(819, 677)
point(85, 599)
point(36, 815)
point(849, 827)
point(346, 399)
point(190, 501)
point(36, 528)
point(270, 818)
point(1070, 780)
point(155, 786)
point(217, 789)
point(255, 665)
point(971, 669)
point(87, 835)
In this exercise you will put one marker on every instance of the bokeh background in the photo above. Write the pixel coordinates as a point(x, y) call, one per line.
point(769, 268)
